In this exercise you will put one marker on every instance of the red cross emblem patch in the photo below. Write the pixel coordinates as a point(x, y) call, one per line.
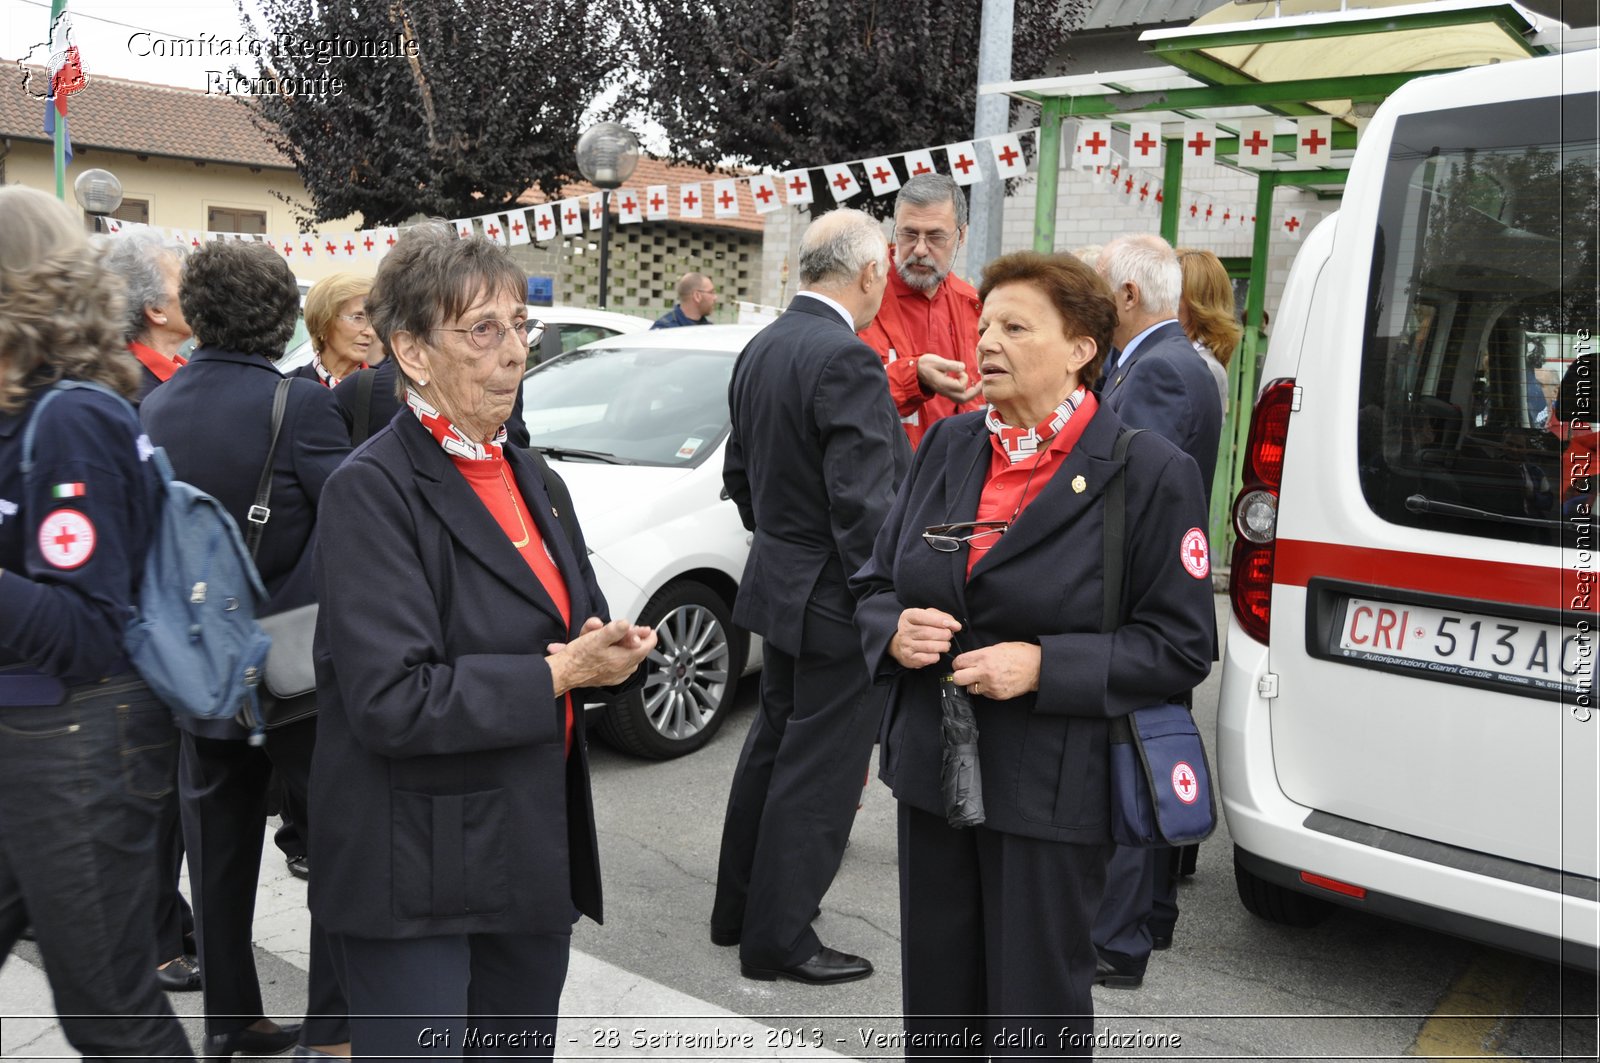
point(1184, 784)
point(66, 538)
point(1195, 554)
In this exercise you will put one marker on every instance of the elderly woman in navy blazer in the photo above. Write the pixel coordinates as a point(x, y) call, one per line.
point(460, 623)
point(989, 569)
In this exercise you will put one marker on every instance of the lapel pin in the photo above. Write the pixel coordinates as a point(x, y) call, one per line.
point(1079, 485)
point(554, 514)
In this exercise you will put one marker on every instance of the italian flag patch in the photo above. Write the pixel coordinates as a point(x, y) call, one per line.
point(67, 491)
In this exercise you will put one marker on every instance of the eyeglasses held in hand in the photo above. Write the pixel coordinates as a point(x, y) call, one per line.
point(947, 538)
point(358, 320)
point(938, 240)
point(486, 335)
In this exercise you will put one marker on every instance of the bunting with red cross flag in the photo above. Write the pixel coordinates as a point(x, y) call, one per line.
point(841, 182)
point(691, 203)
point(544, 221)
point(1092, 146)
point(387, 238)
point(963, 163)
point(797, 190)
point(596, 209)
point(764, 194)
point(656, 202)
point(1144, 145)
point(918, 162)
point(569, 212)
point(630, 209)
point(1008, 158)
point(1199, 142)
point(517, 227)
point(462, 226)
point(493, 228)
point(1313, 141)
point(725, 198)
point(1292, 224)
point(881, 177)
point(1255, 143)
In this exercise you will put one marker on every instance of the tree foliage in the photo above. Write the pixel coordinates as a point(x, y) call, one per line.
point(488, 106)
point(790, 83)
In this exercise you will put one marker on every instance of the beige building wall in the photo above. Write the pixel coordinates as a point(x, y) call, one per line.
point(181, 193)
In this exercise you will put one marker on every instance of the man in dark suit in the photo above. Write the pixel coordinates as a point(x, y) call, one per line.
point(1157, 381)
point(813, 460)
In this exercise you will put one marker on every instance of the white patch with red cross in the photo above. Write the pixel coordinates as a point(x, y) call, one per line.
point(1184, 784)
point(66, 538)
point(1195, 554)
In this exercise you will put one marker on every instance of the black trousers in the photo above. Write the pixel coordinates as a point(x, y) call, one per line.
point(1141, 899)
point(460, 996)
point(174, 917)
point(223, 790)
point(796, 788)
point(996, 960)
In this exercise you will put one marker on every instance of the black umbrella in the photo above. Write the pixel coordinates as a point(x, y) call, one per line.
point(960, 778)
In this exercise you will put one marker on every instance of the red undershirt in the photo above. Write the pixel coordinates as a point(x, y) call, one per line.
point(158, 363)
point(494, 485)
point(1003, 497)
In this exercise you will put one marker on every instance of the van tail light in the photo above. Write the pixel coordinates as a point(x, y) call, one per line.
point(1255, 511)
point(1333, 885)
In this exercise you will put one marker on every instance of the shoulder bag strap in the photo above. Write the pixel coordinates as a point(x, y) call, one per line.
point(261, 512)
point(362, 429)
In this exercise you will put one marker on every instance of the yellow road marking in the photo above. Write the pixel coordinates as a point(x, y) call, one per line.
point(1474, 1016)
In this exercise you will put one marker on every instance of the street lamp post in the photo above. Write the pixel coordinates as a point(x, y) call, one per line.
point(99, 193)
point(607, 154)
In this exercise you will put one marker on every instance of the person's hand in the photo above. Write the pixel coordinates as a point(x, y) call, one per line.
point(602, 655)
point(942, 376)
point(999, 672)
point(921, 636)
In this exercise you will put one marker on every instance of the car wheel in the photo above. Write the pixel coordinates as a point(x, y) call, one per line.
point(1275, 903)
point(689, 677)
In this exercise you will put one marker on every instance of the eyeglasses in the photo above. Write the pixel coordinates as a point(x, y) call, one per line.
point(947, 538)
point(938, 240)
point(706, 291)
point(487, 335)
point(358, 320)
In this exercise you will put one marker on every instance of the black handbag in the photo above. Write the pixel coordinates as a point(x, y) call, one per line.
point(1161, 793)
point(290, 680)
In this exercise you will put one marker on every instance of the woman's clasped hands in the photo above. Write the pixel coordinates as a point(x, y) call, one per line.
point(603, 654)
point(999, 672)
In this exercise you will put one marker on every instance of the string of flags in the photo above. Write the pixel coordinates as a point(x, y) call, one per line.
point(880, 175)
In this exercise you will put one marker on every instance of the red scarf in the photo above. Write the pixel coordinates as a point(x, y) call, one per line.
point(1020, 444)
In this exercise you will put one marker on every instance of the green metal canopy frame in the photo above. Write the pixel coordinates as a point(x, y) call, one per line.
point(1220, 71)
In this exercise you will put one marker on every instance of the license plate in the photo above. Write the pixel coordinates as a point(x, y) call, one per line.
point(1450, 643)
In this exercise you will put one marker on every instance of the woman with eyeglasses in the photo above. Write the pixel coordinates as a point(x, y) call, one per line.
point(215, 420)
point(341, 336)
point(461, 629)
point(988, 571)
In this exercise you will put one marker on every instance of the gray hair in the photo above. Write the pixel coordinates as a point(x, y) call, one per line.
point(136, 256)
point(932, 190)
point(1148, 262)
point(838, 246)
point(1088, 254)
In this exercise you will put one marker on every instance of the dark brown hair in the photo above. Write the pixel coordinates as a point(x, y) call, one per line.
point(240, 296)
point(1078, 293)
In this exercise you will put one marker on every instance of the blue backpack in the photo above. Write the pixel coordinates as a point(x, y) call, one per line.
point(194, 636)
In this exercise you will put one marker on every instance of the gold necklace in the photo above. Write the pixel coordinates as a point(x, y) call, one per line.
point(516, 509)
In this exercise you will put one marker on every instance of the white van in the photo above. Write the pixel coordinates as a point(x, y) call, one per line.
point(1407, 721)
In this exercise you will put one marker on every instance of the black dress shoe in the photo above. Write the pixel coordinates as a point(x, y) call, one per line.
point(182, 975)
point(1114, 973)
point(298, 866)
point(1160, 941)
point(248, 1042)
point(827, 967)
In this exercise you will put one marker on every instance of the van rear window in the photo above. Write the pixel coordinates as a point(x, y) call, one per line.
point(1478, 369)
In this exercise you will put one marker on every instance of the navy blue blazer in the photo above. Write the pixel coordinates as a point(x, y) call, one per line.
point(1165, 386)
point(439, 740)
point(1044, 754)
point(813, 459)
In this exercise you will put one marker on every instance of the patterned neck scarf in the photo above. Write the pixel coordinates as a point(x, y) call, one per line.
point(327, 378)
point(1020, 444)
point(449, 436)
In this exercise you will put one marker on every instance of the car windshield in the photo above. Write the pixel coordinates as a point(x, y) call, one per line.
point(639, 405)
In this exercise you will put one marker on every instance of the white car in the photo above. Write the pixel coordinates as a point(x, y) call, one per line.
point(636, 425)
point(565, 327)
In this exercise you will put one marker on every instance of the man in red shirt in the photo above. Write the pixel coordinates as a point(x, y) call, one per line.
point(927, 330)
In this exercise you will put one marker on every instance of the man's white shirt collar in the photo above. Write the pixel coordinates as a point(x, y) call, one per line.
point(849, 321)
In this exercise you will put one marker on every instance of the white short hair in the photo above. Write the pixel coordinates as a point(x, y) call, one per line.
point(1149, 263)
point(839, 245)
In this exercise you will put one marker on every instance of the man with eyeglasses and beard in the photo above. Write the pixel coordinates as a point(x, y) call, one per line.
point(927, 330)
